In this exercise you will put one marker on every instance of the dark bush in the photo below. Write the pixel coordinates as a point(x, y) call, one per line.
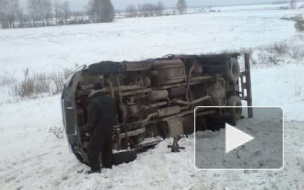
point(299, 25)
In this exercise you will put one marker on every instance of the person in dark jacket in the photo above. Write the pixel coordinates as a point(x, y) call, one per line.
point(99, 127)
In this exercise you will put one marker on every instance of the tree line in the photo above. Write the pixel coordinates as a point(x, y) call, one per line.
point(292, 4)
point(48, 13)
point(38, 13)
point(150, 9)
point(145, 10)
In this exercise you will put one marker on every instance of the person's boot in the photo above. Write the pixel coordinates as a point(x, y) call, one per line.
point(93, 171)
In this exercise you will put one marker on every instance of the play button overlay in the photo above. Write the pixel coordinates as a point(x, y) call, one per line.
point(247, 143)
point(235, 138)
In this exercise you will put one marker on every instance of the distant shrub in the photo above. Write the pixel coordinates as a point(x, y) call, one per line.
point(57, 131)
point(72, 22)
point(299, 25)
point(58, 80)
point(275, 54)
point(284, 8)
point(297, 90)
point(26, 87)
point(267, 59)
point(40, 83)
point(297, 52)
point(7, 80)
point(279, 48)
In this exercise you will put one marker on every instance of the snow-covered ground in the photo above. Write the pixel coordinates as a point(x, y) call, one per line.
point(33, 158)
point(53, 48)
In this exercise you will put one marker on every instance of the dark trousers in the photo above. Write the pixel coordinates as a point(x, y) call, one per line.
point(101, 145)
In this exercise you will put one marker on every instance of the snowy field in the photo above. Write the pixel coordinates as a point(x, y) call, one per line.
point(54, 48)
point(33, 158)
point(257, 7)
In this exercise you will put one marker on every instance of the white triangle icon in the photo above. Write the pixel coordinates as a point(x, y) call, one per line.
point(235, 138)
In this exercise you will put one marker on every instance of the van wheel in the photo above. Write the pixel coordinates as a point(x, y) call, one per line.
point(233, 73)
point(236, 102)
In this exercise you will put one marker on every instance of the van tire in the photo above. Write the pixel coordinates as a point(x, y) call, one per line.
point(236, 102)
point(234, 72)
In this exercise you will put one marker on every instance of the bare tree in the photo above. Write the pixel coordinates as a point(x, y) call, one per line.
point(66, 11)
point(181, 6)
point(78, 17)
point(58, 12)
point(145, 10)
point(35, 10)
point(62, 12)
point(4, 14)
point(40, 10)
point(148, 9)
point(13, 10)
point(8, 13)
point(292, 4)
point(21, 17)
point(101, 10)
point(159, 9)
point(131, 10)
point(46, 6)
point(140, 10)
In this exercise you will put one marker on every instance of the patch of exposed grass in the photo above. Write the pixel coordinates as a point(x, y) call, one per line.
point(278, 53)
point(40, 83)
point(7, 80)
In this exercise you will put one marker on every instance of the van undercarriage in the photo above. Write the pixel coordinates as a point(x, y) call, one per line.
point(156, 98)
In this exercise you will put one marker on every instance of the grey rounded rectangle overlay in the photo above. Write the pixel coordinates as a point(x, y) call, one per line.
point(264, 152)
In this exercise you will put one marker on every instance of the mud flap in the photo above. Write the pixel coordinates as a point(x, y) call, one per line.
point(124, 157)
point(217, 122)
point(175, 127)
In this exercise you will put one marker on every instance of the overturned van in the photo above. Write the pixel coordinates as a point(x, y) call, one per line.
point(155, 98)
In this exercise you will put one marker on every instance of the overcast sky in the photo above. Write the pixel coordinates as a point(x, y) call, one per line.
point(121, 4)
